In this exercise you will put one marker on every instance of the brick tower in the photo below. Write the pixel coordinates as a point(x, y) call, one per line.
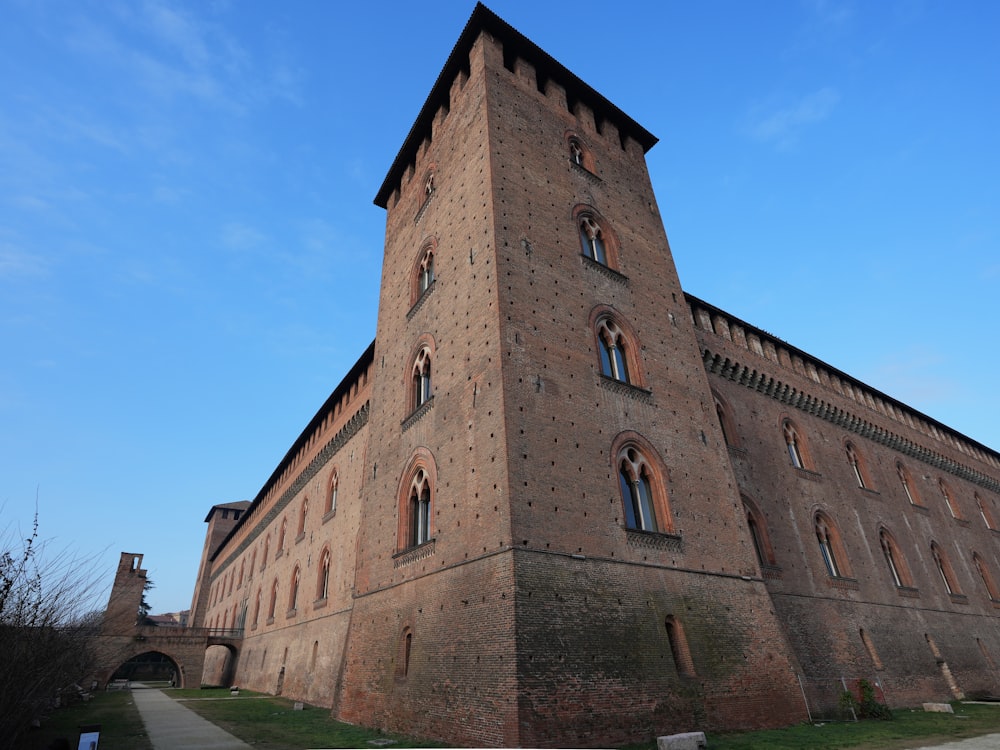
point(552, 547)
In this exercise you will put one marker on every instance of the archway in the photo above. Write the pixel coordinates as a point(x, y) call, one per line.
point(220, 665)
point(149, 666)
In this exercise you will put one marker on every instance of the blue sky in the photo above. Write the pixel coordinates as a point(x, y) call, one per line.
point(189, 253)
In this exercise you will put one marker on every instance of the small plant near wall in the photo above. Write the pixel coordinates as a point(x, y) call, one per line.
point(869, 707)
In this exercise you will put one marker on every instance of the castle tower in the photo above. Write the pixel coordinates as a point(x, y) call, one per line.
point(221, 519)
point(552, 547)
point(126, 595)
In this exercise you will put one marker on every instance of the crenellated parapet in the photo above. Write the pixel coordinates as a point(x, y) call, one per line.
point(781, 356)
point(595, 115)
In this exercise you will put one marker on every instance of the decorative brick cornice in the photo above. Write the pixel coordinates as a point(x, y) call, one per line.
point(724, 367)
point(410, 556)
point(417, 414)
point(654, 540)
point(582, 170)
point(602, 269)
point(421, 299)
point(625, 389)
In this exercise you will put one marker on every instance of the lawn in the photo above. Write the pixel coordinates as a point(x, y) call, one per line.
point(115, 711)
point(271, 723)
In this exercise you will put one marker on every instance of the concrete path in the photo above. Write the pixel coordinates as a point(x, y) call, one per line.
point(986, 742)
point(171, 726)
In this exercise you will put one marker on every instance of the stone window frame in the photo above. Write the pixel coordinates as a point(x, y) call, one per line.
point(949, 499)
point(724, 413)
point(859, 466)
point(590, 224)
point(796, 446)
point(909, 487)
point(423, 274)
point(634, 459)
point(606, 320)
point(323, 574)
point(580, 153)
point(944, 567)
point(831, 546)
point(413, 528)
point(332, 487)
point(987, 576)
point(760, 536)
point(895, 560)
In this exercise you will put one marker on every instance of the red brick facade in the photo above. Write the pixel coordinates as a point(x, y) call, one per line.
point(539, 529)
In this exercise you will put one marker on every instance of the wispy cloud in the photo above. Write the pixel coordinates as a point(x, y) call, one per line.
point(242, 237)
point(783, 125)
point(16, 262)
point(831, 12)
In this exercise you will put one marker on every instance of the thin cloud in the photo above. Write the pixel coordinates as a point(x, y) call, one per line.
point(783, 126)
point(242, 237)
point(15, 262)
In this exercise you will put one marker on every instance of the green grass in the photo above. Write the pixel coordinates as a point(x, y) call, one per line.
point(270, 723)
point(115, 711)
point(909, 729)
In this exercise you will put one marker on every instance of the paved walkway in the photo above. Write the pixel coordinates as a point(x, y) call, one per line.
point(986, 742)
point(171, 726)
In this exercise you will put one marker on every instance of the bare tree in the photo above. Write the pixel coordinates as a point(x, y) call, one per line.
point(45, 628)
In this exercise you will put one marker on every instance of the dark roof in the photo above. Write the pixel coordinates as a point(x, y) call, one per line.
point(483, 19)
point(237, 505)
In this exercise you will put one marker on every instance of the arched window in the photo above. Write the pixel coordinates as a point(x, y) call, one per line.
point(909, 489)
point(256, 609)
point(949, 499)
point(263, 559)
point(643, 494)
point(425, 274)
point(898, 568)
point(858, 467)
point(422, 273)
point(614, 350)
point(253, 564)
point(273, 603)
point(331, 493)
point(416, 497)
point(243, 563)
point(797, 451)
point(419, 506)
point(303, 514)
point(405, 652)
point(293, 593)
point(281, 539)
point(592, 239)
point(943, 565)
point(984, 573)
point(758, 534)
point(579, 153)
point(831, 547)
point(724, 413)
point(421, 378)
point(323, 585)
point(984, 511)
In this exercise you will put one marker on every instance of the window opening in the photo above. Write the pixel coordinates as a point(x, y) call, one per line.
point(420, 509)
point(633, 473)
point(613, 354)
point(422, 378)
point(794, 447)
point(592, 239)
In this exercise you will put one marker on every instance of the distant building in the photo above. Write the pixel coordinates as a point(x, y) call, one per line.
point(559, 501)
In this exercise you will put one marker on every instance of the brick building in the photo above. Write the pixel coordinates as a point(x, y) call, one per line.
point(559, 501)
